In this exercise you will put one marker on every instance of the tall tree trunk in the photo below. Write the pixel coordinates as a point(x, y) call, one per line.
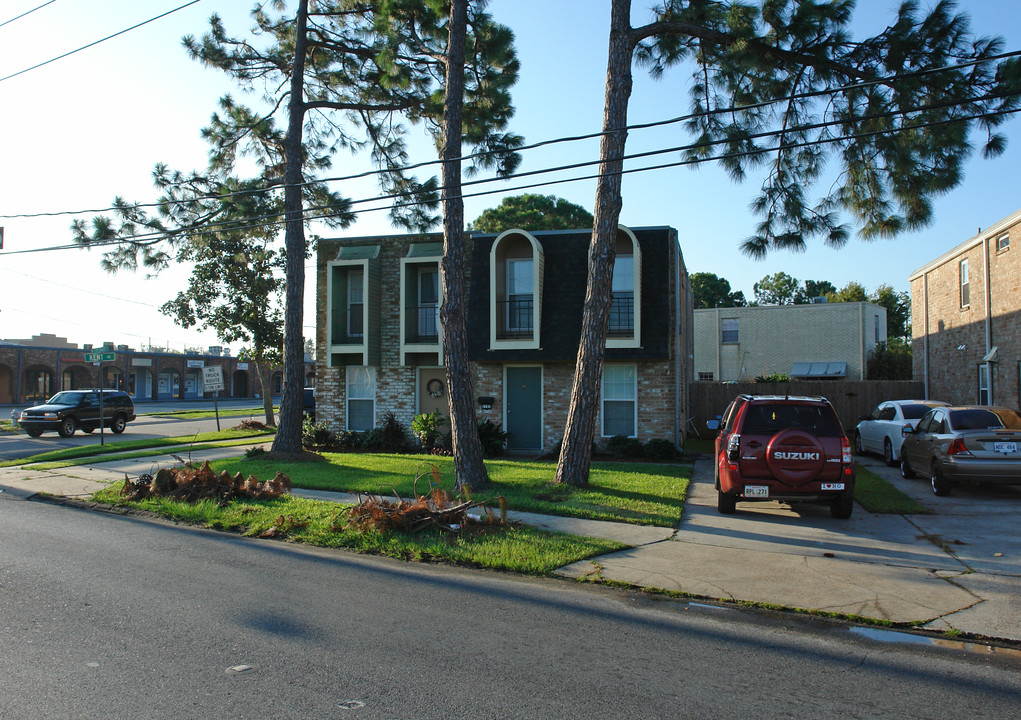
point(288, 437)
point(576, 451)
point(262, 369)
point(469, 469)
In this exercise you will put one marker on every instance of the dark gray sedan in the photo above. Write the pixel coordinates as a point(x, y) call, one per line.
point(967, 444)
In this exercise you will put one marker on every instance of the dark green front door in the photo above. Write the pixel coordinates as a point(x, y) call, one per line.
point(523, 399)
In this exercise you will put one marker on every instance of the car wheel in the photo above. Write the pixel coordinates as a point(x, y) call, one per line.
point(86, 428)
point(888, 453)
point(726, 503)
point(939, 485)
point(34, 433)
point(859, 449)
point(843, 506)
point(119, 423)
point(905, 469)
point(67, 427)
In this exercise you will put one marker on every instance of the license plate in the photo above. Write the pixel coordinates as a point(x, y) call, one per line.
point(757, 491)
point(832, 486)
point(1005, 447)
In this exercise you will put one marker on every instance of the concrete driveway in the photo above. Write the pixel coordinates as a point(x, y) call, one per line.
point(958, 568)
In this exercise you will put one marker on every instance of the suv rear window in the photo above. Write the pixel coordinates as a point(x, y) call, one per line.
point(771, 418)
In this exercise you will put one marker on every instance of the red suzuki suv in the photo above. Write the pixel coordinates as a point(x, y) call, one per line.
point(783, 448)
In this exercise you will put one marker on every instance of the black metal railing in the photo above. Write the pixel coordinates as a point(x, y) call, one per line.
point(514, 318)
point(622, 315)
point(347, 325)
point(422, 324)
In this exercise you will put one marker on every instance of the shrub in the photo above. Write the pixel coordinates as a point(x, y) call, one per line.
point(773, 378)
point(660, 449)
point(392, 432)
point(492, 437)
point(623, 446)
point(426, 427)
point(317, 434)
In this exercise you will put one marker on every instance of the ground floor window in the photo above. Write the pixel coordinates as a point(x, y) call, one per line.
point(705, 376)
point(620, 392)
point(361, 398)
point(984, 385)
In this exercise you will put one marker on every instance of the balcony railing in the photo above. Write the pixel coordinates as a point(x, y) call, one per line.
point(514, 318)
point(347, 325)
point(422, 324)
point(622, 315)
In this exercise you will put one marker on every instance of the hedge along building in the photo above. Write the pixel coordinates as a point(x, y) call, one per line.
point(33, 370)
point(381, 345)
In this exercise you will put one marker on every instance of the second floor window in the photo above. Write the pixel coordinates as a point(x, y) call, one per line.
point(622, 311)
point(518, 315)
point(965, 290)
point(728, 330)
point(428, 302)
point(355, 302)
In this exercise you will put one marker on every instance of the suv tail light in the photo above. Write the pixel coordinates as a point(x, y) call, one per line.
point(734, 447)
point(845, 451)
point(957, 448)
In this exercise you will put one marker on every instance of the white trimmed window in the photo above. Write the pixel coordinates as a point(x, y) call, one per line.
point(965, 286)
point(1003, 243)
point(361, 398)
point(984, 390)
point(620, 394)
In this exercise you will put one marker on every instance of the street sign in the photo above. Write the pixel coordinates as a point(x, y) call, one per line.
point(99, 357)
point(212, 378)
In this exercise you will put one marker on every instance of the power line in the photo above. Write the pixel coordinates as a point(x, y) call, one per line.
point(78, 289)
point(97, 42)
point(153, 238)
point(27, 12)
point(572, 138)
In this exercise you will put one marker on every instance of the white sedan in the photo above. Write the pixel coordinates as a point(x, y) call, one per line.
point(880, 432)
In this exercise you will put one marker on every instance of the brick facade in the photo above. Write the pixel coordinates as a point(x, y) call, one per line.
point(399, 386)
point(955, 342)
point(31, 373)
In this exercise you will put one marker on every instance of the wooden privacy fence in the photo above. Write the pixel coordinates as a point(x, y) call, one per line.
point(850, 398)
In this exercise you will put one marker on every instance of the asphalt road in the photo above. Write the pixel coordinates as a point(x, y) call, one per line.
point(14, 446)
point(116, 617)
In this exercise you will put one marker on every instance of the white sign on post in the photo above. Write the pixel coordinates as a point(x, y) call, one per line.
point(212, 378)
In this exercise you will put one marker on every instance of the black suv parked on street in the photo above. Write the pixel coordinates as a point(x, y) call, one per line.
point(69, 410)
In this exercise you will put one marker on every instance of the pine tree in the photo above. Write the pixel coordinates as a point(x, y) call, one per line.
point(781, 85)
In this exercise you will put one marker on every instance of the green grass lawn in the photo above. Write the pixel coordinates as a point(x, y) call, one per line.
point(639, 493)
point(321, 523)
point(256, 413)
point(878, 496)
point(64, 456)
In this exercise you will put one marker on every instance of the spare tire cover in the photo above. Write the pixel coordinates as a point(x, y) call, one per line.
point(795, 457)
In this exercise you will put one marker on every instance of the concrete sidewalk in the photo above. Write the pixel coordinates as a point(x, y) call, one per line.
point(906, 569)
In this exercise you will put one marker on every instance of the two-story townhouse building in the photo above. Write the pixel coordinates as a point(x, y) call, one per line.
point(380, 340)
point(966, 319)
point(815, 341)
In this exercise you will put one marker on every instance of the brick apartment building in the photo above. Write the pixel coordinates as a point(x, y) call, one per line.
point(35, 369)
point(817, 341)
point(966, 319)
point(380, 340)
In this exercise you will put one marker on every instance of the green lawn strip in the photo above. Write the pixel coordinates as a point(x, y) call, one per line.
point(878, 496)
point(255, 413)
point(638, 493)
point(128, 445)
point(321, 523)
point(152, 452)
point(696, 445)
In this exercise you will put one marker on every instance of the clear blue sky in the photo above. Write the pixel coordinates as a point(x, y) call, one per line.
point(84, 129)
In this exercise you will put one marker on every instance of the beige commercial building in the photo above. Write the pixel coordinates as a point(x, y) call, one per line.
point(817, 341)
